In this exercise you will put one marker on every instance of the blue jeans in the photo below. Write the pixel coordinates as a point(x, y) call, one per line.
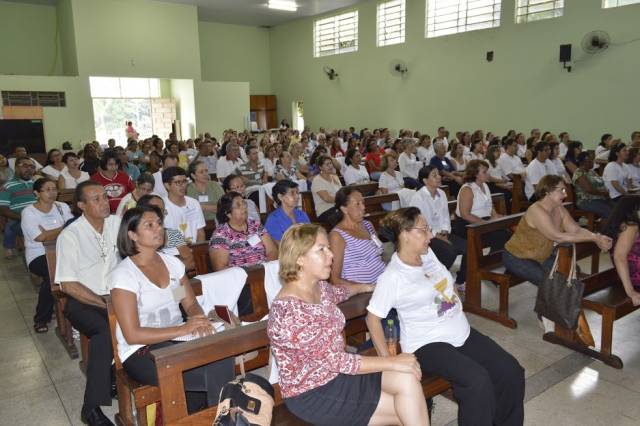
point(528, 269)
point(11, 232)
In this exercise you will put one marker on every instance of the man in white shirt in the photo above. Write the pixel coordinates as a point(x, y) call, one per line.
point(228, 164)
point(21, 151)
point(207, 156)
point(170, 160)
point(539, 167)
point(86, 254)
point(183, 213)
point(442, 135)
point(509, 162)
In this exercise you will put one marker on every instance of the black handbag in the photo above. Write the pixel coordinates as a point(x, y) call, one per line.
point(247, 401)
point(559, 297)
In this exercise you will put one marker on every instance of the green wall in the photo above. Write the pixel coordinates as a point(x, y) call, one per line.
point(236, 53)
point(66, 28)
point(136, 38)
point(450, 83)
point(28, 42)
point(220, 106)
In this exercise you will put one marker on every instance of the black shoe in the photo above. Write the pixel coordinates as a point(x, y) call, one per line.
point(95, 417)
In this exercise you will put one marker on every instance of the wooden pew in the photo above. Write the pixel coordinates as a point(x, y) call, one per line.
point(171, 362)
point(489, 267)
point(519, 200)
point(578, 213)
point(605, 295)
point(64, 330)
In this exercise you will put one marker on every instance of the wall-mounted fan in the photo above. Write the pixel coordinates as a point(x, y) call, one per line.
point(330, 72)
point(595, 41)
point(398, 67)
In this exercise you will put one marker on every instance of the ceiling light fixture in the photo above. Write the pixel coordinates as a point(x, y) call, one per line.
point(289, 6)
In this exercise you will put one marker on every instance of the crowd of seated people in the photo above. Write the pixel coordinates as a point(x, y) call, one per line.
point(132, 241)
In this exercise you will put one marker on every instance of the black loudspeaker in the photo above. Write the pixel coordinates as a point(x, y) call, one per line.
point(490, 56)
point(565, 53)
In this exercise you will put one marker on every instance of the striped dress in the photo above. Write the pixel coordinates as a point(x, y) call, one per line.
point(362, 258)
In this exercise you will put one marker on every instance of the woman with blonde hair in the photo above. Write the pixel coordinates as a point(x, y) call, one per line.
point(320, 382)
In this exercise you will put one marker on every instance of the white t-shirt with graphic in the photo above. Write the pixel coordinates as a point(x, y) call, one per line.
point(428, 308)
point(186, 219)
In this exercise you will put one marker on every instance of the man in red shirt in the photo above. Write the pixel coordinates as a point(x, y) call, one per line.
point(116, 183)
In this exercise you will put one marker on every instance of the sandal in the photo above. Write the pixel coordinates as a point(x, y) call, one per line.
point(40, 327)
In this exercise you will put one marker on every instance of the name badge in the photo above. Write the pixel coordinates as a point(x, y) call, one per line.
point(254, 240)
point(203, 198)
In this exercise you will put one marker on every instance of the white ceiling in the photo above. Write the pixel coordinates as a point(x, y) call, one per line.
point(256, 13)
point(246, 12)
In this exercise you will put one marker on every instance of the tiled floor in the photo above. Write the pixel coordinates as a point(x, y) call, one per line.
point(40, 385)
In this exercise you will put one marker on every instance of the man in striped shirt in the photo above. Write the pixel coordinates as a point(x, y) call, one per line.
point(15, 195)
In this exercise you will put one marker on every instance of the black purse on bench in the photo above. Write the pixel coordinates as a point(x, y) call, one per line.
point(559, 297)
point(246, 401)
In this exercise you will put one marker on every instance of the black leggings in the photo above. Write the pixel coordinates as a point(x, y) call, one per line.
point(44, 308)
point(487, 381)
point(496, 239)
point(447, 252)
point(209, 378)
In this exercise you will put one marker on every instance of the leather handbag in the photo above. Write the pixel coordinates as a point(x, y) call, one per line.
point(247, 401)
point(559, 296)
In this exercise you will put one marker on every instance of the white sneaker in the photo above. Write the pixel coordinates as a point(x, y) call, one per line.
point(548, 326)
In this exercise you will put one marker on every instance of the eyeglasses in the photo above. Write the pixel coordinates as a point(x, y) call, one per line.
point(180, 182)
point(562, 189)
point(424, 230)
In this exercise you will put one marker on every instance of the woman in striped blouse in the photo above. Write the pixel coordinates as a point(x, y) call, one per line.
point(357, 251)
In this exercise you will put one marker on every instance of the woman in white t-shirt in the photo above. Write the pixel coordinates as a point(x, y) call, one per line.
point(144, 186)
point(324, 188)
point(355, 173)
point(40, 222)
point(390, 181)
point(72, 176)
point(487, 381)
point(54, 166)
point(147, 288)
point(616, 174)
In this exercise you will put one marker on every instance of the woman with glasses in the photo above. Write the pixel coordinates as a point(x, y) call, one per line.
point(530, 253)
point(488, 382)
point(42, 221)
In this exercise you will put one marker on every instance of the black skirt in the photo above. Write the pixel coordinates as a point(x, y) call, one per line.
point(346, 400)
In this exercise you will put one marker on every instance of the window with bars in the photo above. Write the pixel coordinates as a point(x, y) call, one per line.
point(606, 4)
point(336, 34)
point(457, 16)
point(536, 10)
point(391, 22)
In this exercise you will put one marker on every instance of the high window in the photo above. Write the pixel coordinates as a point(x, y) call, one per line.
point(535, 10)
point(615, 3)
point(391, 22)
point(336, 34)
point(457, 16)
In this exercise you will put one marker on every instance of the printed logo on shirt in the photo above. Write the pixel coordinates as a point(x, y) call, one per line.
point(445, 303)
point(114, 190)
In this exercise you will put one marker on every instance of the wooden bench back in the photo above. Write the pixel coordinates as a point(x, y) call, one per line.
point(171, 362)
point(519, 200)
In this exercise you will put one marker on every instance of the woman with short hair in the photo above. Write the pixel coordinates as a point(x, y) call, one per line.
point(324, 188)
point(55, 165)
point(72, 176)
point(203, 189)
point(355, 173)
point(40, 222)
point(286, 196)
point(475, 205)
point(487, 381)
point(616, 174)
point(590, 191)
point(320, 382)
